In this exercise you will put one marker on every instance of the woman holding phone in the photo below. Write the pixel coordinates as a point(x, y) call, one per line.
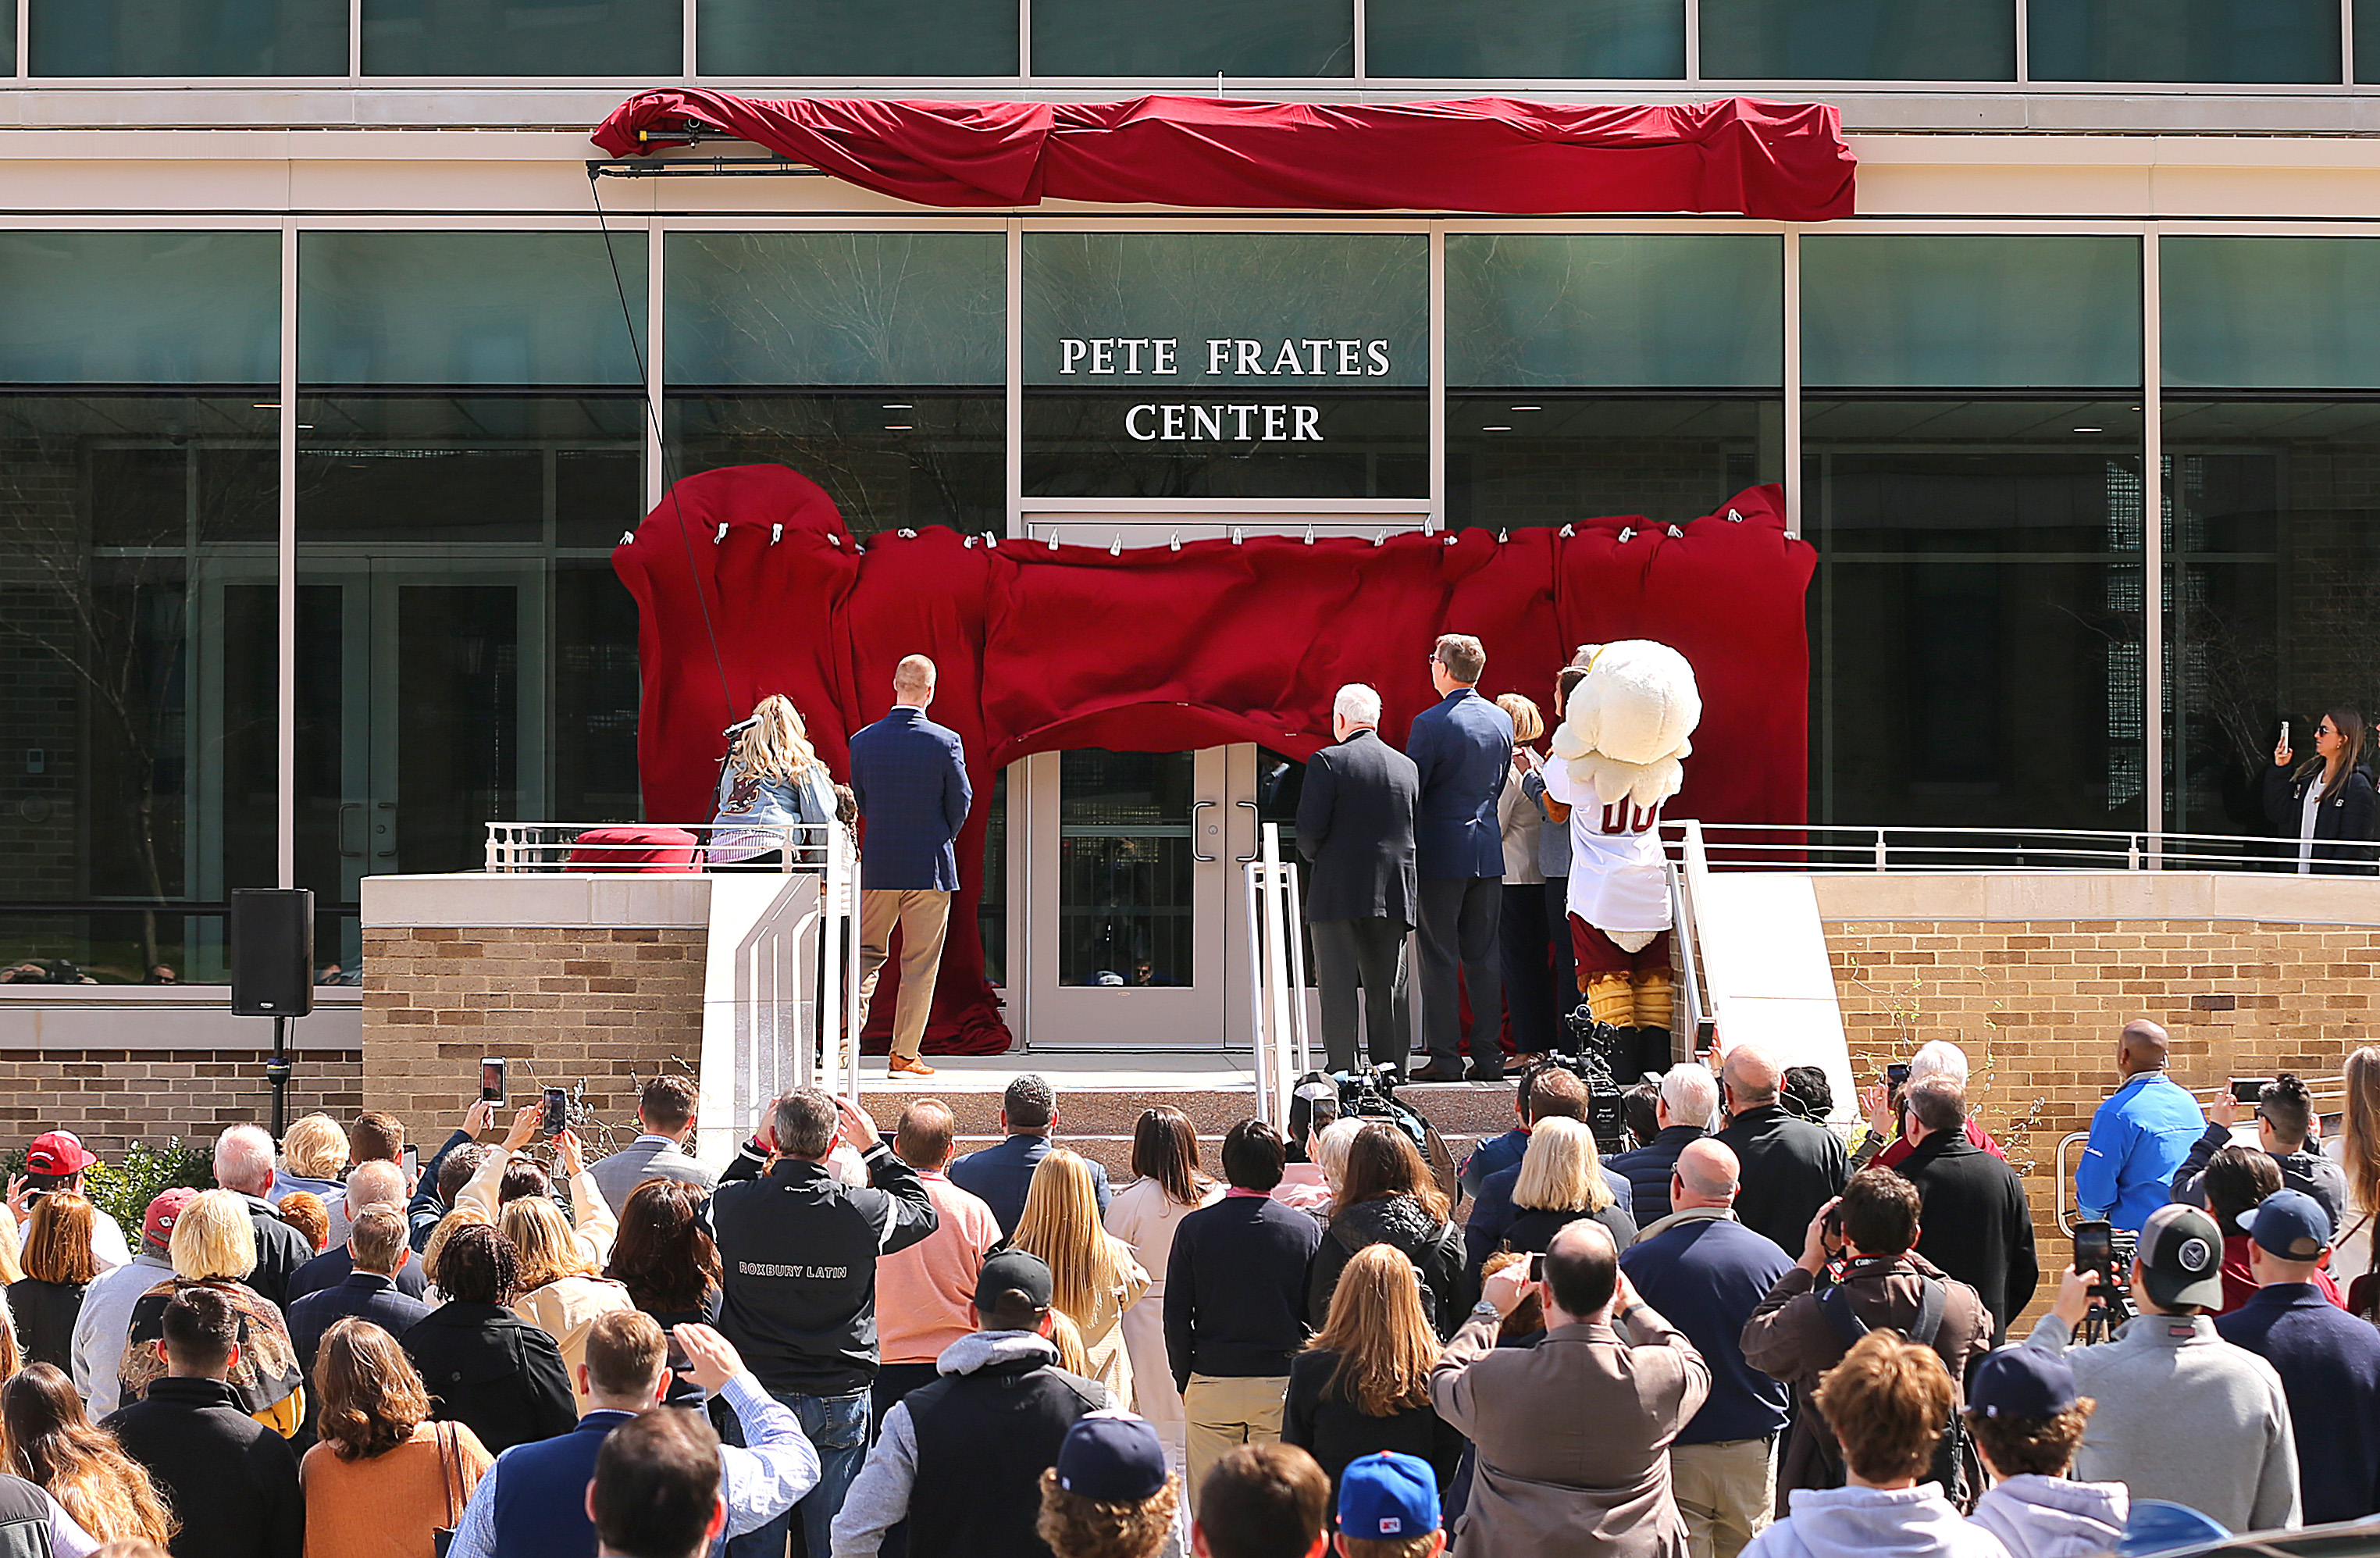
point(2328, 804)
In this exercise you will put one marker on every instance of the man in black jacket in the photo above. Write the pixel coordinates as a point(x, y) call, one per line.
point(244, 1165)
point(979, 1437)
point(231, 1481)
point(1355, 823)
point(1235, 1302)
point(1977, 1226)
point(1791, 1168)
point(797, 1253)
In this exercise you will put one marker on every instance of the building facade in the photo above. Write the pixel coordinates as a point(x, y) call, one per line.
point(330, 375)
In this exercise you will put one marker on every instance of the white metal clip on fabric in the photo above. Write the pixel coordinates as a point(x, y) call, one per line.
point(1568, 531)
point(1733, 517)
point(1502, 537)
point(1115, 547)
point(1236, 535)
point(627, 538)
point(1176, 545)
point(906, 534)
point(1677, 534)
point(1309, 532)
point(1627, 534)
point(776, 532)
point(722, 535)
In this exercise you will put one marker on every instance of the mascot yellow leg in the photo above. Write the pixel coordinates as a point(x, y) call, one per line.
point(1611, 998)
point(1654, 1006)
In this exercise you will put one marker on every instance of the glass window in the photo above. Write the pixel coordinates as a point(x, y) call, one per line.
point(1198, 38)
point(1649, 311)
point(1214, 365)
point(991, 906)
point(189, 36)
point(1970, 313)
point(1596, 39)
point(2189, 40)
point(1860, 40)
point(7, 37)
point(463, 308)
point(838, 38)
point(1556, 456)
point(617, 38)
point(1123, 868)
point(2367, 39)
point(2270, 312)
point(140, 308)
point(873, 363)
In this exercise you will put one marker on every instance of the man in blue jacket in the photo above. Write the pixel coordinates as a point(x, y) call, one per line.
point(2328, 1359)
point(909, 776)
point(2139, 1136)
point(1462, 747)
point(1708, 1272)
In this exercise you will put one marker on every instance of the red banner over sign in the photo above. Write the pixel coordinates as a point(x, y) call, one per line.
point(1780, 161)
point(1041, 649)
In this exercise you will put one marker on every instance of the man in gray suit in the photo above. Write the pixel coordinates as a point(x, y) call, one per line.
point(1355, 823)
point(664, 1114)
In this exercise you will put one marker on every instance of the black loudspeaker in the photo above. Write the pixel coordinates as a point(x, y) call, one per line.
point(271, 952)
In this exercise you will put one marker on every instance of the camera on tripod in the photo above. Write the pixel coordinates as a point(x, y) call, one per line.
point(2107, 1253)
point(1599, 1049)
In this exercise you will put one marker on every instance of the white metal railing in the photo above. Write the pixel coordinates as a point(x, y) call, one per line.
point(1841, 847)
point(777, 980)
point(1277, 988)
point(2321, 1090)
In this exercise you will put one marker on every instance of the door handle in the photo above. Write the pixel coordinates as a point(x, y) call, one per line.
point(1196, 807)
point(1256, 838)
point(384, 845)
point(347, 810)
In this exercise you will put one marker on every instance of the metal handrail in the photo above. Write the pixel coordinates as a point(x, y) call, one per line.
point(551, 847)
point(1827, 846)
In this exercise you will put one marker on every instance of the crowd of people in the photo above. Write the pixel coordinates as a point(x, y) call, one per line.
point(1739, 1335)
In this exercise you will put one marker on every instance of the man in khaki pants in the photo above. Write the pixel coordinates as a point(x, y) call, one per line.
point(909, 776)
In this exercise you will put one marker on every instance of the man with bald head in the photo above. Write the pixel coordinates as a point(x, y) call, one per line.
point(1789, 1166)
point(1708, 1272)
point(2139, 1136)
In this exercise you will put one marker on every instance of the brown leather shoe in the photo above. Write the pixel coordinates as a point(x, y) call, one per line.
point(911, 1066)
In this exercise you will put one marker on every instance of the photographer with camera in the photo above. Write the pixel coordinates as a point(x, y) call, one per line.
point(1799, 1330)
point(2182, 1415)
point(2286, 1129)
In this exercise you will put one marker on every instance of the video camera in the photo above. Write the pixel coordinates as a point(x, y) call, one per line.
point(1598, 1050)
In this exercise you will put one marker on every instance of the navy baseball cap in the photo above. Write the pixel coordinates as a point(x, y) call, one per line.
point(2288, 1224)
point(2021, 1383)
point(1388, 1497)
point(1112, 1457)
point(2181, 1258)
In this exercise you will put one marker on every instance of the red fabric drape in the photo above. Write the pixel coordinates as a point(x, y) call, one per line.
point(1157, 650)
point(1785, 161)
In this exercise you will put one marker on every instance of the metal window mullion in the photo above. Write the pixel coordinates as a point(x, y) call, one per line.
point(689, 33)
point(355, 40)
point(1024, 39)
point(2153, 537)
point(1361, 60)
point(285, 583)
point(1693, 23)
point(1792, 324)
point(1015, 394)
point(2347, 43)
point(1437, 504)
point(656, 383)
point(24, 38)
point(2024, 41)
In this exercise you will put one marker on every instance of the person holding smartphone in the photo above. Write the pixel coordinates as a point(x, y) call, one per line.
point(2328, 804)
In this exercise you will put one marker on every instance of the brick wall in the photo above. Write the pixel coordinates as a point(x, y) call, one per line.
point(111, 1098)
point(607, 1006)
point(2037, 1005)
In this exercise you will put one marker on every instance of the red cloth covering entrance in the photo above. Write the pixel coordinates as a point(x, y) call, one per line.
point(1156, 649)
point(1783, 161)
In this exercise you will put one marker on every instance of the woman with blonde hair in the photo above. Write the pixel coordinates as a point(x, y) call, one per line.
point(562, 1291)
point(1362, 1385)
point(1562, 1181)
point(59, 1265)
point(385, 1477)
point(314, 1156)
point(1525, 932)
point(52, 1444)
point(1095, 1279)
point(1387, 1195)
point(214, 1246)
point(1144, 1214)
point(2357, 1149)
point(772, 779)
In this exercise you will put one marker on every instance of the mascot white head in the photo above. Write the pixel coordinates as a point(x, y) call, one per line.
point(1625, 730)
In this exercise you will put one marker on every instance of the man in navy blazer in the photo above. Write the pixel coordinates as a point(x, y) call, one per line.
point(1462, 747)
point(909, 776)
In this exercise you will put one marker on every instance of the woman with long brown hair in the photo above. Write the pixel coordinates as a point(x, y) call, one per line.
point(1387, 1196)
point(667, 1261)
point(2357, 1149)
point(52, 1442)
point(2327, 805)
point(384, 1476)
point(1095, 1279)
point(1362, 1385)
point(1144, 1214)
point(58, 1266)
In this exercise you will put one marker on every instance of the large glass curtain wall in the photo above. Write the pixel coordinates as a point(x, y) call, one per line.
point(633, 42)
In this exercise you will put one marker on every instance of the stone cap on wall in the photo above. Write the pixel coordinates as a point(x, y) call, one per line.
point(502, 899)
point(2264, 897)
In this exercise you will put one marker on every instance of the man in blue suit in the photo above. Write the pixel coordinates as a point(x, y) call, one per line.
point(1463, 746)
point(909, 776)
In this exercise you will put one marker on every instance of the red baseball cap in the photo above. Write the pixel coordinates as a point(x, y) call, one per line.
point(59, 1152)
point(157, 1228)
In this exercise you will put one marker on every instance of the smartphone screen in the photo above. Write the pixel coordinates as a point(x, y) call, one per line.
point(1537, 1265)
point(1897, 1074)
point(491, 1079)
point(557, 1111)
point(2247, 1089)
point(411, 1159)
point(2094, 1247)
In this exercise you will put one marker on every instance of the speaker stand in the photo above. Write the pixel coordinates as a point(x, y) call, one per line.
point(276, 1071)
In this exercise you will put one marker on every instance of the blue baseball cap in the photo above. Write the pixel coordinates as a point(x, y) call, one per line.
point(2288, 1224)
point(2021, 1383)
point(1112, 1458)
point(1387, 1496)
